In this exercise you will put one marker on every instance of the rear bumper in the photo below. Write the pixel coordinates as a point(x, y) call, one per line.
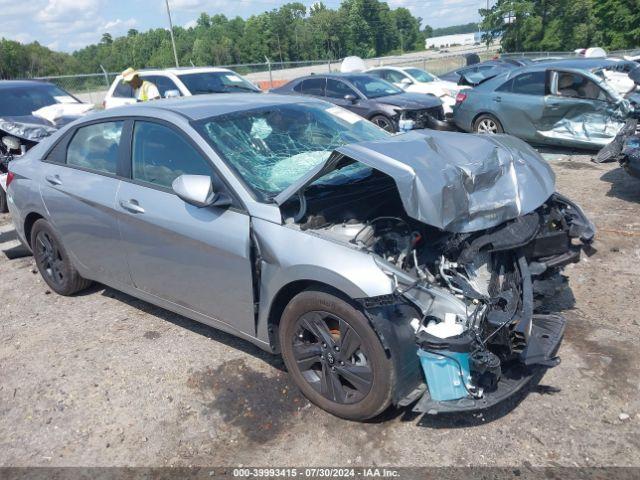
point(548, 330)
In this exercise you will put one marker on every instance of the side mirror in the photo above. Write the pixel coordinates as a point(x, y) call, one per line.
point(172, 94)
point(197, 190)
point(350, 98)
point(405, 82)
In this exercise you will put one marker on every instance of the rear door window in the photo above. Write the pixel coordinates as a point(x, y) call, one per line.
point(160, 155)
point(313, 86)
point(531, 83)
point(95, 147)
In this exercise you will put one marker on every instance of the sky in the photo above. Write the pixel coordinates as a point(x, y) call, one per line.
point(68, 25)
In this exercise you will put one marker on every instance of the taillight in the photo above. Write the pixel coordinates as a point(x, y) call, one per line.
point(461, 97)
point(9, 178)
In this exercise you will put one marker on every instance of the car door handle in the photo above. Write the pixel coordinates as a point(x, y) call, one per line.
point(53, 179)
point(497, 99)
point(132, 206)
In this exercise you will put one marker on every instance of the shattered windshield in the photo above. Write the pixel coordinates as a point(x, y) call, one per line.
point(216, 82)
point(272, 147)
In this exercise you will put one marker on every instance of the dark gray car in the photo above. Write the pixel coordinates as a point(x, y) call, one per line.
point(315, 235)
point(372, 98)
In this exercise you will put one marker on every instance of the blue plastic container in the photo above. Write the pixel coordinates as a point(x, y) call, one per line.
point(443, 374)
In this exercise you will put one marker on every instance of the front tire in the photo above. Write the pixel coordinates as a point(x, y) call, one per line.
point(53, 262)
point(487, 124)
point(335, 357)
point(383, 122)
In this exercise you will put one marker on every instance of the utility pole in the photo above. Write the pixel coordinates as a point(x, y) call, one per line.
point(173, 40)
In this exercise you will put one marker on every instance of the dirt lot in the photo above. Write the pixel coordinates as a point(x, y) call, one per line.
point(105, 379)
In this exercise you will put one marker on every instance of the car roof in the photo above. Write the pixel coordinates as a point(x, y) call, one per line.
point(344, 76)
point(505, 75)
point(181, 70)
point(21, 83)
point(199, 107)
point(580, 63)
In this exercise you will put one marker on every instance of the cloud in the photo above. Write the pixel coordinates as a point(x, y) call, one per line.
point(118, 25)
point(190, 24)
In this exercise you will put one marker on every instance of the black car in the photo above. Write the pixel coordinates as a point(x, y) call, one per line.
point(20, 129)
point(372, 98)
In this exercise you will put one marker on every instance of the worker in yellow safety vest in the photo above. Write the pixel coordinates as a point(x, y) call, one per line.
point(143, 90)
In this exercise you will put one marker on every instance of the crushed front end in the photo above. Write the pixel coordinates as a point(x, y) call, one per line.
point(473, 237)
point(502, 276)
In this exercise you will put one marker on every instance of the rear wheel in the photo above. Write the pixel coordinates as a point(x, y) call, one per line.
point(383, 122)
point(3, 202)
point(53, 261)
point(487, 124)
point(335, 357)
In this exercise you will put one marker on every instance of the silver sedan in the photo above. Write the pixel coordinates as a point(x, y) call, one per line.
point(384, 269)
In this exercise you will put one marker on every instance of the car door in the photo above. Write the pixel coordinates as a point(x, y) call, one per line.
point(197, 258)
point(578, 112)
point(79, 184)
point(336, 92)
point(519, 104)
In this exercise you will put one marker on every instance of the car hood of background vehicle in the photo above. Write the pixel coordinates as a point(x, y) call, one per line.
point(410, 101)
point(32, 127)
point(453, 181)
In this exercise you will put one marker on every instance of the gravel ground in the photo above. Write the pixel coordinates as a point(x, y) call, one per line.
point(103, 379)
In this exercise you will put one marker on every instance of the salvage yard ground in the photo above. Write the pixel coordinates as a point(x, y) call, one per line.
point(104, 379)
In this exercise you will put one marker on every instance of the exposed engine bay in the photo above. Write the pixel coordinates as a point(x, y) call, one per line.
point(498, 277)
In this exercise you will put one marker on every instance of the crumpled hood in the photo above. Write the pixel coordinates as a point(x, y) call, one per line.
point(37, 127)
point(410, 101)
point(453, 181)
point(27, 127)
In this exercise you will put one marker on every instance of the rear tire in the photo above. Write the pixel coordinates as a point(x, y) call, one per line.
point(53, 262)
point(4, 207)
point(487, 124)
point(335, 357)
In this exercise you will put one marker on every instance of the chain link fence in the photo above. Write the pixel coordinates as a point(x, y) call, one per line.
point(92, 88)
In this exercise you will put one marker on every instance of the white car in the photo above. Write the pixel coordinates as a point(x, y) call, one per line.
point(416, 80)
point(181, 82)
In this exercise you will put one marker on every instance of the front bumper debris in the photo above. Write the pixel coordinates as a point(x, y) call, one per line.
point(548, 331)
point(625, 149)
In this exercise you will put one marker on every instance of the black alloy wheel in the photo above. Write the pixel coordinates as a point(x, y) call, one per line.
point(384, 123)
point(49, 258)
point(331, 357)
